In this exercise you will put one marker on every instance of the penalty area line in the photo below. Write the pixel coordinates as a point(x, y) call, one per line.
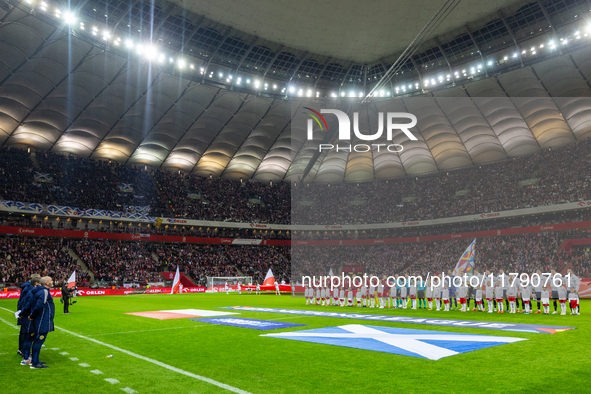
point(160, 364)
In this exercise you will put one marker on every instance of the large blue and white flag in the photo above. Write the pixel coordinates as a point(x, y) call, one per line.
point(432, 345)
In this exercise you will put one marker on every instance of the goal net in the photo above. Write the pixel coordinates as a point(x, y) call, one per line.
point(220, 281)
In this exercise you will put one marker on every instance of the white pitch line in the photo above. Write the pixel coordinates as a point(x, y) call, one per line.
point(84, 365)
point(156, 329)
point(73, 359)
point(112, 381)
point(9, 323)
point(65, 353)
point(96, 372)
point(160, 364)
point(129, 390)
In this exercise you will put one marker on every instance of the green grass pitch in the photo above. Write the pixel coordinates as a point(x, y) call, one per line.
point(241, 358)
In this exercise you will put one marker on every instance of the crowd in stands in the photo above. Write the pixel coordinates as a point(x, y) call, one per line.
point(515, 253)
point(224, 200)
point(115, 263)
point(548, 177)
point(119, 261)
point(21, 256)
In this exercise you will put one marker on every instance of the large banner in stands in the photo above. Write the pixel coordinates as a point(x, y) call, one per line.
point(33, 208)
point(85, 292)
point(230, 241)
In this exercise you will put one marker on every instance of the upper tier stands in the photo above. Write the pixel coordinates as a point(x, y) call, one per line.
point(548, 177)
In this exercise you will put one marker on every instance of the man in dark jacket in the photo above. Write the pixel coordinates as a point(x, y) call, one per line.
point(26, 325)
point(25, 290)
point(42, 314)
point(66, 295)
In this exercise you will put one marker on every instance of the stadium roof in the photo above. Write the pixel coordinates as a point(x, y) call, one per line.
point(343, 29)
point(82, 91)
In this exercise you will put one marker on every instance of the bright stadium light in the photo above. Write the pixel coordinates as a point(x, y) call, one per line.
point(291, 89)
point(489, 63)
point(129, 44)
point(181, 63)
point(70, 18)
point(151, 52)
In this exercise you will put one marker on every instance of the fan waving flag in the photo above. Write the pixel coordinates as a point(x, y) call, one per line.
point(176, 288)
point(269, 279)
point(466, 263)
point(72, 280)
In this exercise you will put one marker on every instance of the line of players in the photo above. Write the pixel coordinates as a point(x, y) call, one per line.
point(501, 294)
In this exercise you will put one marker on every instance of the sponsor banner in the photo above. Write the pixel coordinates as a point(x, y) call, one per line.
point(432, 345)
point(43, 232)
point(25, 207)
point(248, 323)
point(535, 328)
point(241, 241)
point(85, 292)
point(228, 241)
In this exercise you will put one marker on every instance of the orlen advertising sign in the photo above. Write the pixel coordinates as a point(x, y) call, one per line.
point(105, 292)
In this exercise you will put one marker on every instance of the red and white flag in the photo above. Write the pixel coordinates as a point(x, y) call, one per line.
point(72, 280)
point(269, 279)
point(176, 289)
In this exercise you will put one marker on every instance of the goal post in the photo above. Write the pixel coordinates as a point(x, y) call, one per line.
point(220, 281)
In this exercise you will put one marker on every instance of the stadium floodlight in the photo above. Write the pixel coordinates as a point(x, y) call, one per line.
point(221, 75)
point(274, 87)
point(248, 81)
point(291, 89)
point(106, 35)
point(181, 63)
point(161, 58)
point(43, 6)
point(301, 92)
point(515, 54)
point(129, 44)
point(70, 18)
point(238, 81)
point(333, 94)
point(541, 46)
point(309, 93)
point(343, 94)
point(490, 63)
point(257, 84)
point(151, 52)
point(139, 49)
point(192, 66)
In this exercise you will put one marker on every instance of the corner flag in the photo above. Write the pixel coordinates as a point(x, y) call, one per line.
point(466, 263)
point(176, 282)
point(269, 279)
point(72, 280)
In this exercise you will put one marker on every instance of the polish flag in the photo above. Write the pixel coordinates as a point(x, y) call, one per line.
point(269, 279)
point(72, 280)
point(176, 289)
